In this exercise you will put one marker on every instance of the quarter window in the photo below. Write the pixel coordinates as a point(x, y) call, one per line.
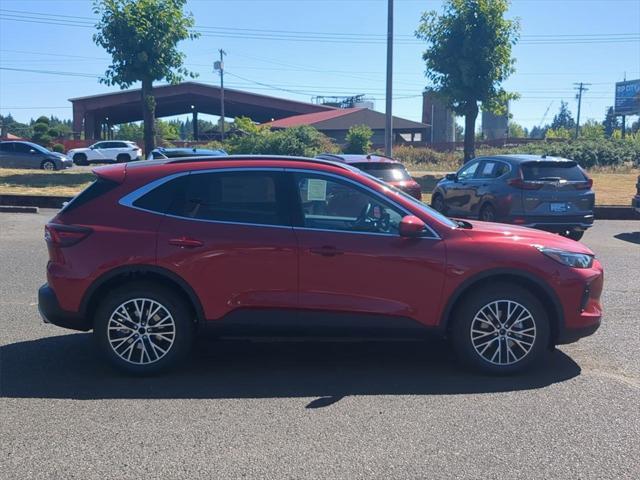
point(329, 204)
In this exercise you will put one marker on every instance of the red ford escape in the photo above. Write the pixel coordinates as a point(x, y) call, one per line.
point(153, 253)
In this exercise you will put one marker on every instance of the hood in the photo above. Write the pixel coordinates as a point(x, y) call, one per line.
point(58, 155)
point(502, 232)
point(78, 150)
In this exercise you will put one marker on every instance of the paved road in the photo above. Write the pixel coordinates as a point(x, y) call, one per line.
point(315, 410)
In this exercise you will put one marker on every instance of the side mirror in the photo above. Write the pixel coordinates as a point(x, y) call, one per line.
point(411, 226)
point(32, 151)
point(452, 176)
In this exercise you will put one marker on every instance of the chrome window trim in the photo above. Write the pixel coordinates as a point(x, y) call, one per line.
point(131, 197)
point(434, 235)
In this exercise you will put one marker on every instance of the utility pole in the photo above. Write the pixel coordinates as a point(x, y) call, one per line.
point(581, 88)
point(388, 128)
point(219, 65)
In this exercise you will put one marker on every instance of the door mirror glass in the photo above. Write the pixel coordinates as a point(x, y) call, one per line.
point(452, 176)
point(411, 226)
point(33, 151)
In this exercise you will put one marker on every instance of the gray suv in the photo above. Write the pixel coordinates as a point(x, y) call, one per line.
point(15, 154)
point(548, 193)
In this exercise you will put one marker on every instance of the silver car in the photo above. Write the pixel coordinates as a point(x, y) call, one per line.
point(20, 154)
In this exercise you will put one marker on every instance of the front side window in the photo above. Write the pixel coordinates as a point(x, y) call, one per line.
point(99, 145)
point(468, 172)
point(23, 148)
point(240, 197)
point(329, 204)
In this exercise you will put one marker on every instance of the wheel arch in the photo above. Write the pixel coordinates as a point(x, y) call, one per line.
point(539, 287)
point(131, 273)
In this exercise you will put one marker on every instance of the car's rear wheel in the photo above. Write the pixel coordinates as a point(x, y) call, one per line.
point(488, 213)
point(123, 157)
point(500, 329)
point(437, 203)
point(143, 328)
point(80, 159)
point(48, 165)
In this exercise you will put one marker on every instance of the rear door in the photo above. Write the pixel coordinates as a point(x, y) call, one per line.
point(564, 189)
point(229, 235)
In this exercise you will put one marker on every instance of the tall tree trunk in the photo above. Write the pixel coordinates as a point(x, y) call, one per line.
point(148, 116)
point(471, 113)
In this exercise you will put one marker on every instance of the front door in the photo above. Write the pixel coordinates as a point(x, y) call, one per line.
point(228, 235)
point(352, 258)
point(459, 193)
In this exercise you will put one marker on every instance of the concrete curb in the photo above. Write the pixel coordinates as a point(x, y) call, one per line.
point(16, 209)
point(601, 212)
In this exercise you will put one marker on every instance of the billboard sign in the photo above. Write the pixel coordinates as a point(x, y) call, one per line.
point(628, 98)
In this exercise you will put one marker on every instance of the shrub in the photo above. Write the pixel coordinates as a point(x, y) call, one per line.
point(58, 147)
point(358, 139)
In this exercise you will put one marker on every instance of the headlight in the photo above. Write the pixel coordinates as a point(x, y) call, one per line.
point(570, 259)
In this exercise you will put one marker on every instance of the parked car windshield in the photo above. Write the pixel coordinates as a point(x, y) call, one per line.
point(421, 205)
point(553, 171)
point(387, 172)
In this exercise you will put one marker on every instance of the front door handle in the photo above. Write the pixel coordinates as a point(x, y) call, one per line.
point(184, 242)
point(326, 251)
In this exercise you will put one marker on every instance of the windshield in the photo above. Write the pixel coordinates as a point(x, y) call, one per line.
point(421, 205)
point(388, 172)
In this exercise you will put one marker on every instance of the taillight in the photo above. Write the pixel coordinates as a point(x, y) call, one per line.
point(585, 185)
point(524, 185)
point(65, 235)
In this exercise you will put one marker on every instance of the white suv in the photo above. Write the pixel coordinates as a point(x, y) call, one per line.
point(108, 151)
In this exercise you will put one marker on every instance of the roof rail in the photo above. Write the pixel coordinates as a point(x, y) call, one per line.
point(257, 157)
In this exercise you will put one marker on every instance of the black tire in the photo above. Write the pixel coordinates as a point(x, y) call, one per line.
point(48, 165)
point(437, 203)
point(475, 352)
point(122, 157)
point(80, 159)
point(182, 327)
point(487, 213)
point(574, 234)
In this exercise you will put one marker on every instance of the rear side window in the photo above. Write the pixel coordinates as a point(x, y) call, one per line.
point(6, 147)
point(98, 188)
point(387, 172)
point(239, 197)
point(552, 171)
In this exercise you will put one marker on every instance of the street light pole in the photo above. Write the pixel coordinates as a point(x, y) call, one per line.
point(220, 66)
point(388, 128)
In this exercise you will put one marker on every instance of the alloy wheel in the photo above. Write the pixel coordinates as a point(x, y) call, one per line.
point(141, 331)
point(503, 332)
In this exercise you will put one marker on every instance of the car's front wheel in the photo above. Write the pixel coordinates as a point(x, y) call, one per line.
point(437, 203)
point(48, 165)
point(500, 329)
point(80, 159)
point(143, 328)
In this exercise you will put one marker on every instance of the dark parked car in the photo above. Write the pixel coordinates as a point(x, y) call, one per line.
point(160, 153)
point(20, 154)
point(548, 193)
point(386, 169)
point(154, 252)
point(636, 199)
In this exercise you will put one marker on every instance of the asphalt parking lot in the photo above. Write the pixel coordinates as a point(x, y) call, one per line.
point(316, 409)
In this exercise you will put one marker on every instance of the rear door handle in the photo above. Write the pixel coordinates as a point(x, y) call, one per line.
point(184, 242)
point(326, 251)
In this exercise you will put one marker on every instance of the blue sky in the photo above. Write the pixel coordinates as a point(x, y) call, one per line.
point(563, 41)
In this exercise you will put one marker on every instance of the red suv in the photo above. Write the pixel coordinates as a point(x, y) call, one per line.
point(152, 253)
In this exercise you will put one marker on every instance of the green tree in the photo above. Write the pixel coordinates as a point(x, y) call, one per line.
point(358, 139)
point(611, 122)
point(142, 37)
point(592, 130)
point(516, 130)
point(563, 119)
point(42, 133)
point(468, 57)
point(559, 132)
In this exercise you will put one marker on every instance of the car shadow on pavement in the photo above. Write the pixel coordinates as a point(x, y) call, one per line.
point(67, 367)
point(633, 237)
